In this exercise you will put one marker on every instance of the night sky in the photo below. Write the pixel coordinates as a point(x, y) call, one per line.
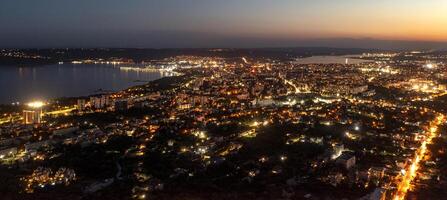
point(222, 23)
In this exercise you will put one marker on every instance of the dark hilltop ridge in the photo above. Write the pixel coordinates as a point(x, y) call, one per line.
point(30, 57)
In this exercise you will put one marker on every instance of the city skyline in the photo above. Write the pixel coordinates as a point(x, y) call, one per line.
point(208, 24)
point(223, 99)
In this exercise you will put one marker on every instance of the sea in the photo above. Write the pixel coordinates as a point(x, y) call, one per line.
point(32, 83)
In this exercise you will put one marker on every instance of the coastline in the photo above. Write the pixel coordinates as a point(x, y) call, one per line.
point(128, 80)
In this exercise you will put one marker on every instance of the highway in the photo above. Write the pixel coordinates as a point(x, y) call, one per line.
point(409, 174)
point(61, 112)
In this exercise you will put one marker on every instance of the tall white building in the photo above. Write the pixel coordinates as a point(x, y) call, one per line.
point(81, 104)
point(100, 102)
point(33, 114)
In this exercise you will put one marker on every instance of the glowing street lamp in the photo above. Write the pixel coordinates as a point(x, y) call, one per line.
point(36, 104)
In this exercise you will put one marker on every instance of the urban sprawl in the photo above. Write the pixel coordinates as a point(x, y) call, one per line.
point(239, 128)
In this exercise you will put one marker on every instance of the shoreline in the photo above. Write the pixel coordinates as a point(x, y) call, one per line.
point(99, 91)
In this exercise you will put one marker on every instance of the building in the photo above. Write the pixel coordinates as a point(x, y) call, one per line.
point(29, 147)
point(8, 152)
point(81, 104)
point(184, 106)
point(359, 89)
point(65, 131)
point(33, 114)
point(95, 102)
point(121, 105)
point(99, 102)
point(337, 151)
point(347, 160)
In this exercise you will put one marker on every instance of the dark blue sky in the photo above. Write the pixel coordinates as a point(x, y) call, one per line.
point(222, 23)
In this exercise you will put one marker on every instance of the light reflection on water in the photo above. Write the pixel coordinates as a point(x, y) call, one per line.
point(67, 80)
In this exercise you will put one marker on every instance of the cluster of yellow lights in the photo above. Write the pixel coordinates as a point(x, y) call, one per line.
point(36, 104)
point(296, 89)
point(410, 174)
point(428, 88)
point(430, 66)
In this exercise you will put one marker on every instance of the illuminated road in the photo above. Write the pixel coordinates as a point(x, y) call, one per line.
point(63, 111)
point(245, 60)
point(9, 119)
point(438, 95)
point(288, 82)
point(4, 120)
point(411, 172)
point(297, 90)
point(60, 112)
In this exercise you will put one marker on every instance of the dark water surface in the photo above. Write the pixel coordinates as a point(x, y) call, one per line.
point(24, 84)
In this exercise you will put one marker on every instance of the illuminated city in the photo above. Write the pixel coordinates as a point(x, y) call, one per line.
point(317, 122)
